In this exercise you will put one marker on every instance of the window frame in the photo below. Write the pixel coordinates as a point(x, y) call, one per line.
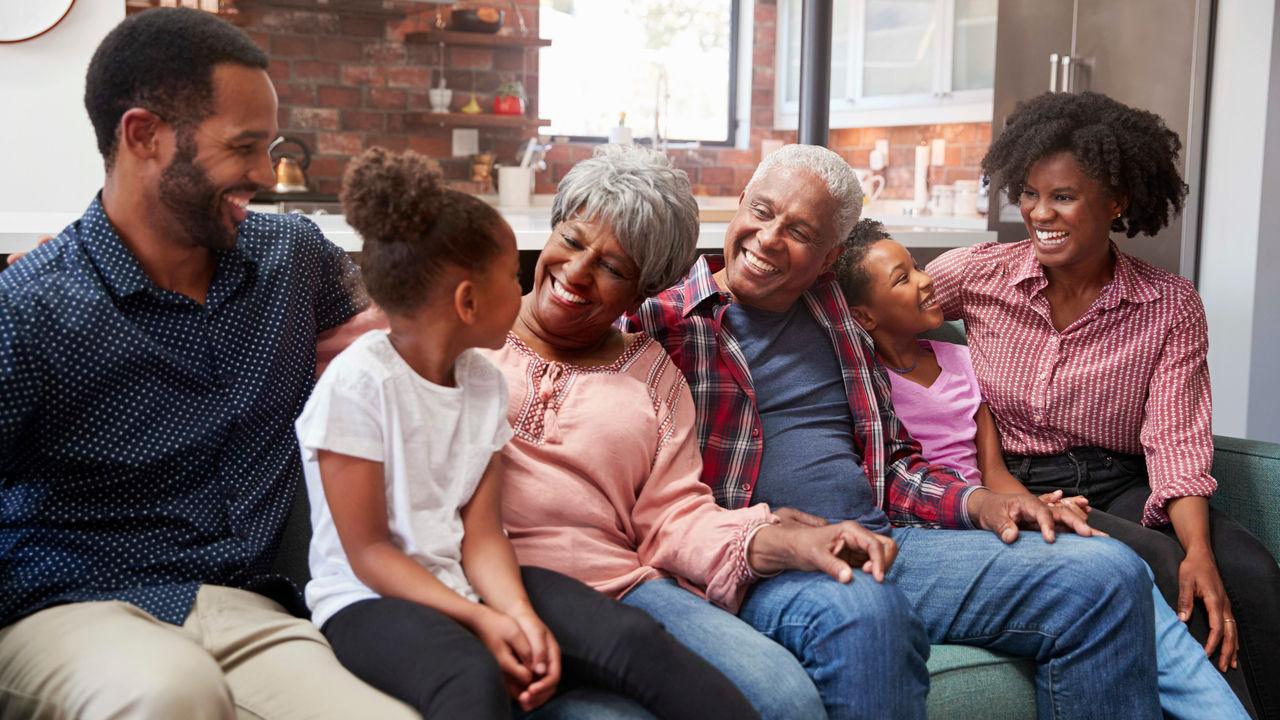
point(941, 105)
point(731, 129)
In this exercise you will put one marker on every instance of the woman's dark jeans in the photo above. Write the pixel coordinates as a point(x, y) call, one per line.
point(421, 656)
point(1117, 487)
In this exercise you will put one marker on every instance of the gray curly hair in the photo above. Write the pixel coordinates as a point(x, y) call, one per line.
point(835, 173)
point(647, 202)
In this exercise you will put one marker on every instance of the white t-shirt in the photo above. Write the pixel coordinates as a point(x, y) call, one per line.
point(434, 443)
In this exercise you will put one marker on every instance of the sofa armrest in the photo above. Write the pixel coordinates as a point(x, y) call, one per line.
point(1248, 474)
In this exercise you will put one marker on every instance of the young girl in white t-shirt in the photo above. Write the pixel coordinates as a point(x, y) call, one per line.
point(936, 395)
point(414, 582)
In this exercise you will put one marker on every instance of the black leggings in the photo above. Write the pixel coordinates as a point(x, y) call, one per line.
point(1117, 487)
point(424, 658)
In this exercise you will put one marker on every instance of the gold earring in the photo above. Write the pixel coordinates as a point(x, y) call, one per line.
point(1118, 214)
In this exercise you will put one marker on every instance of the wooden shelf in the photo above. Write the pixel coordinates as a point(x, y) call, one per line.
point(453, 37)
point(391, 9)
point(488, 120)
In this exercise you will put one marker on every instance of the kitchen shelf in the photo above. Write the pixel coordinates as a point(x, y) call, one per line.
point(453, 37)
point(488, 120)
point(391, 9)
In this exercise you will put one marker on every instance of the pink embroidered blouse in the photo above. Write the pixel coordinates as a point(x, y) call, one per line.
point(1128, 375)
point(602, 481)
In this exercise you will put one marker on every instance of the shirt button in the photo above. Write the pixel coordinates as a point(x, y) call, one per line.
point(746, 486)
point(755, 432)
point(1044, 376)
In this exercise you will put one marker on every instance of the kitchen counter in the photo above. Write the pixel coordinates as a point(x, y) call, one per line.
point(19, 230)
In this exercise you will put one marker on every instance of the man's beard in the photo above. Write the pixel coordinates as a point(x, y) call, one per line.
point(195, 204)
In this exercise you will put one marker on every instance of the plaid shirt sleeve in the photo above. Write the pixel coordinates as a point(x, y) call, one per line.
point(909, 490)
point(685, 319)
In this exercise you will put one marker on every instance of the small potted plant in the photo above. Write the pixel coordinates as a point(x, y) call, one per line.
point(508, 98)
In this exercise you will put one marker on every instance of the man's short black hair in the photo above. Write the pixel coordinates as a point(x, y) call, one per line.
point(162, 60)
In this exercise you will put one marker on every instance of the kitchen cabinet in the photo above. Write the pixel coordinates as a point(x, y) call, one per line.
point(1151, 54)
point(896, 62)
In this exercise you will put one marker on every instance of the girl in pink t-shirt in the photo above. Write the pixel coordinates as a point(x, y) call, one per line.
point(935, 391)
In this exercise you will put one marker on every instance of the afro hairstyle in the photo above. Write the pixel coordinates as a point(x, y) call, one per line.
point(1129, 152)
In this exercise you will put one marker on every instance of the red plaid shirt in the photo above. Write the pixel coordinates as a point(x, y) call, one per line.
point(686, 319)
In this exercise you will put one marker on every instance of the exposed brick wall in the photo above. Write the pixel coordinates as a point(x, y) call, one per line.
point(347, 80)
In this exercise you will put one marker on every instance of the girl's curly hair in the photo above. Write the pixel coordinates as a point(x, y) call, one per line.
point(1127, 151)
point(850, 268)
point(412, 226)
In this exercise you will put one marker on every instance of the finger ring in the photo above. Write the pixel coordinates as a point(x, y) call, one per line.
point(1230, 620)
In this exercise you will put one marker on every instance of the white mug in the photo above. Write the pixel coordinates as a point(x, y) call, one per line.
point(872, 185)
point(515, 186)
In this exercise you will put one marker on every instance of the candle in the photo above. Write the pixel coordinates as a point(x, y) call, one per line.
point(920, 198)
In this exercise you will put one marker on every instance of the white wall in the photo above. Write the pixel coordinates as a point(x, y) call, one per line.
point(1240, 225)
point(49, 160)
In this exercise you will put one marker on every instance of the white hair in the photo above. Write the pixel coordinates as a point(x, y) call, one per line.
point(835, 173)
point(648, 204)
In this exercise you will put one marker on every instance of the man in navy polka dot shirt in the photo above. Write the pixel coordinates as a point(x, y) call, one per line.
point(153, 358)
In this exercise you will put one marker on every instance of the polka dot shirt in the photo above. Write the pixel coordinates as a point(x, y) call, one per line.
point(146, 440)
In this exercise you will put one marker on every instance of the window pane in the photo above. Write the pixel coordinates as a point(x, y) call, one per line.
point(901, 37)
point(974, 53)
point(842, 60)
point(638, 57)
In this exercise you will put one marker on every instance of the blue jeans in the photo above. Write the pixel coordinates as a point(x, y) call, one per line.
point(1119, 485)
point(1081, 608)
point(766, 673)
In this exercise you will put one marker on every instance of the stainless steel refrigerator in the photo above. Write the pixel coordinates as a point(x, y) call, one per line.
point(1151, 54)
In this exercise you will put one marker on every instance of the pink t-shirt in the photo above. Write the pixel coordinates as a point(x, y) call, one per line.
point(940, 417)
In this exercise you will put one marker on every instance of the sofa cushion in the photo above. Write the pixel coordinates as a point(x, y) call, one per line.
point(1248, 474)
point(969, 682)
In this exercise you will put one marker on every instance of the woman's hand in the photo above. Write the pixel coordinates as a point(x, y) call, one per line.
point(1198, 578)
point(829, 548)
point(1076, 506)
point(543, 660)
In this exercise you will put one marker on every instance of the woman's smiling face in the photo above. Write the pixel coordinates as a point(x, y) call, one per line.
point(1067, 213)
point(583, 282)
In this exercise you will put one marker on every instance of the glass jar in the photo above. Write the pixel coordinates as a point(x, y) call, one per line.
point(942, 200)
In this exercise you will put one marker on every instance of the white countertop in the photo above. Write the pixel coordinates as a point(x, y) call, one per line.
point(20, 230)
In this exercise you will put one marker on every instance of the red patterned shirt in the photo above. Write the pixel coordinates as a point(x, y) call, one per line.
point(686, 319)
point(1128, 375)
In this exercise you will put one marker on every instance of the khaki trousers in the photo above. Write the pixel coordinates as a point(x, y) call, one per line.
point(238, 655)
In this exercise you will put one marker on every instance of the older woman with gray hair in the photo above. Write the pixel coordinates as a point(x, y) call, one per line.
point(602, 479)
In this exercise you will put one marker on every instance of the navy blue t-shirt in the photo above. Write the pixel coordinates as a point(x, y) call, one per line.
point(146, 440)
point(810, 462)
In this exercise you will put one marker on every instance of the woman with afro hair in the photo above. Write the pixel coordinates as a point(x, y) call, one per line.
point(1093, 364)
